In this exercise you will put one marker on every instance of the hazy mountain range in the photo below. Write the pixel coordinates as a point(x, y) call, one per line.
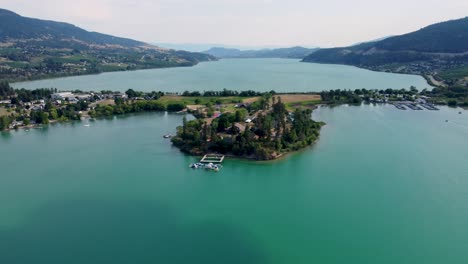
point(293, 52)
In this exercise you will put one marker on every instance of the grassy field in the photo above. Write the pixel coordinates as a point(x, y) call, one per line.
point(3, 111)
point(291, 100)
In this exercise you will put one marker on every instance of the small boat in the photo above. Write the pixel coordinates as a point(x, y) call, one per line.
point(87, 125)
point(167, 136)
point(213, 167)
point(209, 166)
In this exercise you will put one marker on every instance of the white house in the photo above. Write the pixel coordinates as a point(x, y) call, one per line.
point(62, 96)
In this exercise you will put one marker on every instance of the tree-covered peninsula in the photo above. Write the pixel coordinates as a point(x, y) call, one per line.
point(265, 132)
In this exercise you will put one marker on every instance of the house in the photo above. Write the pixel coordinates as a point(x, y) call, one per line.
point(120, 95)
point(62, 95)
point(242, 105)
point(37, 108)
point(239, 127)
point(83, 96)
point(7, 102)
point(72, 100)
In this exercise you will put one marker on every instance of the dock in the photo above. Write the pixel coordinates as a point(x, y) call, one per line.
point(413, 106)
point(212, 158)
point(399, 106)
point(430, 107)
point(404, 105)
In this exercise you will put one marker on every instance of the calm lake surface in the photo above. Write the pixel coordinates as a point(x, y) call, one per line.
point(281, 75)
point(380, 186)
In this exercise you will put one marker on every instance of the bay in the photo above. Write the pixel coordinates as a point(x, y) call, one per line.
point(380, 186)
point(281, 75)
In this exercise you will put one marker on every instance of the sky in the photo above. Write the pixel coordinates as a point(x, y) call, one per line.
point(249, 23)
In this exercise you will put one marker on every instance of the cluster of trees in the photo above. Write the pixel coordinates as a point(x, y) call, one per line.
point(135, 94)
point(24, 95)
point(341, 96)
point(225, 93)
point(273, 131)
point(49, 113)
point(359, 95)
point(32, 95)
point(454, 95)
point(61, 114)
point(5, 89)
point(122, 107)
point(5, 121)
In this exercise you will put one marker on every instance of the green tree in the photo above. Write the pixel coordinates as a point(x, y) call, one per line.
point(131, 93)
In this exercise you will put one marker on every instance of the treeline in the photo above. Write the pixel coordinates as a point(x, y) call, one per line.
point(273, 132)
point(226, 93)
point(22, 94)
point(122, 107)
point(453, 96)
point(135, 94)
point(359, 95)
point(5, 89)
point(32, 95)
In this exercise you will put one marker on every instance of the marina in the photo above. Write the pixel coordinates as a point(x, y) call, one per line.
point(414, 106)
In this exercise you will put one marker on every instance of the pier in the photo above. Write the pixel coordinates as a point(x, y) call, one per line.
point(212, 158)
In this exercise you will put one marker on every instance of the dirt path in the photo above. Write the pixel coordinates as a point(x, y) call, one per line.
point(435, 82)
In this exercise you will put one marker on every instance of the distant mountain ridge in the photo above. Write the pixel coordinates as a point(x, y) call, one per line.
point(428, 51)
point(33, 48)
point(293, 52)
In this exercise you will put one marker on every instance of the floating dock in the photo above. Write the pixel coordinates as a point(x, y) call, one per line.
point(399, 106)
point(212, 158)
point(414, 106)
point(430, 107)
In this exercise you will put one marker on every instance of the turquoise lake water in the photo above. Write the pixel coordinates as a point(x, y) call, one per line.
point(380, 186)
point(281, 75)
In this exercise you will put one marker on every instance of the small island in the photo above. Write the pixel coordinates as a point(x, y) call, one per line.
point(262, 130)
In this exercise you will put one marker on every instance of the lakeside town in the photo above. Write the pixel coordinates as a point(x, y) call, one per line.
point(21, 108)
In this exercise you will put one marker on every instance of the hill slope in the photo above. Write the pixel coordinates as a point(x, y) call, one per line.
point(429, 51)
point(32, 48)
point(15, 27)
point(294, 52)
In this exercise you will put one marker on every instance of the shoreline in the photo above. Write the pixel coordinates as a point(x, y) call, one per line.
point(282, 157)
point(373, 70)
point(87, 117)
point(13, 82)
